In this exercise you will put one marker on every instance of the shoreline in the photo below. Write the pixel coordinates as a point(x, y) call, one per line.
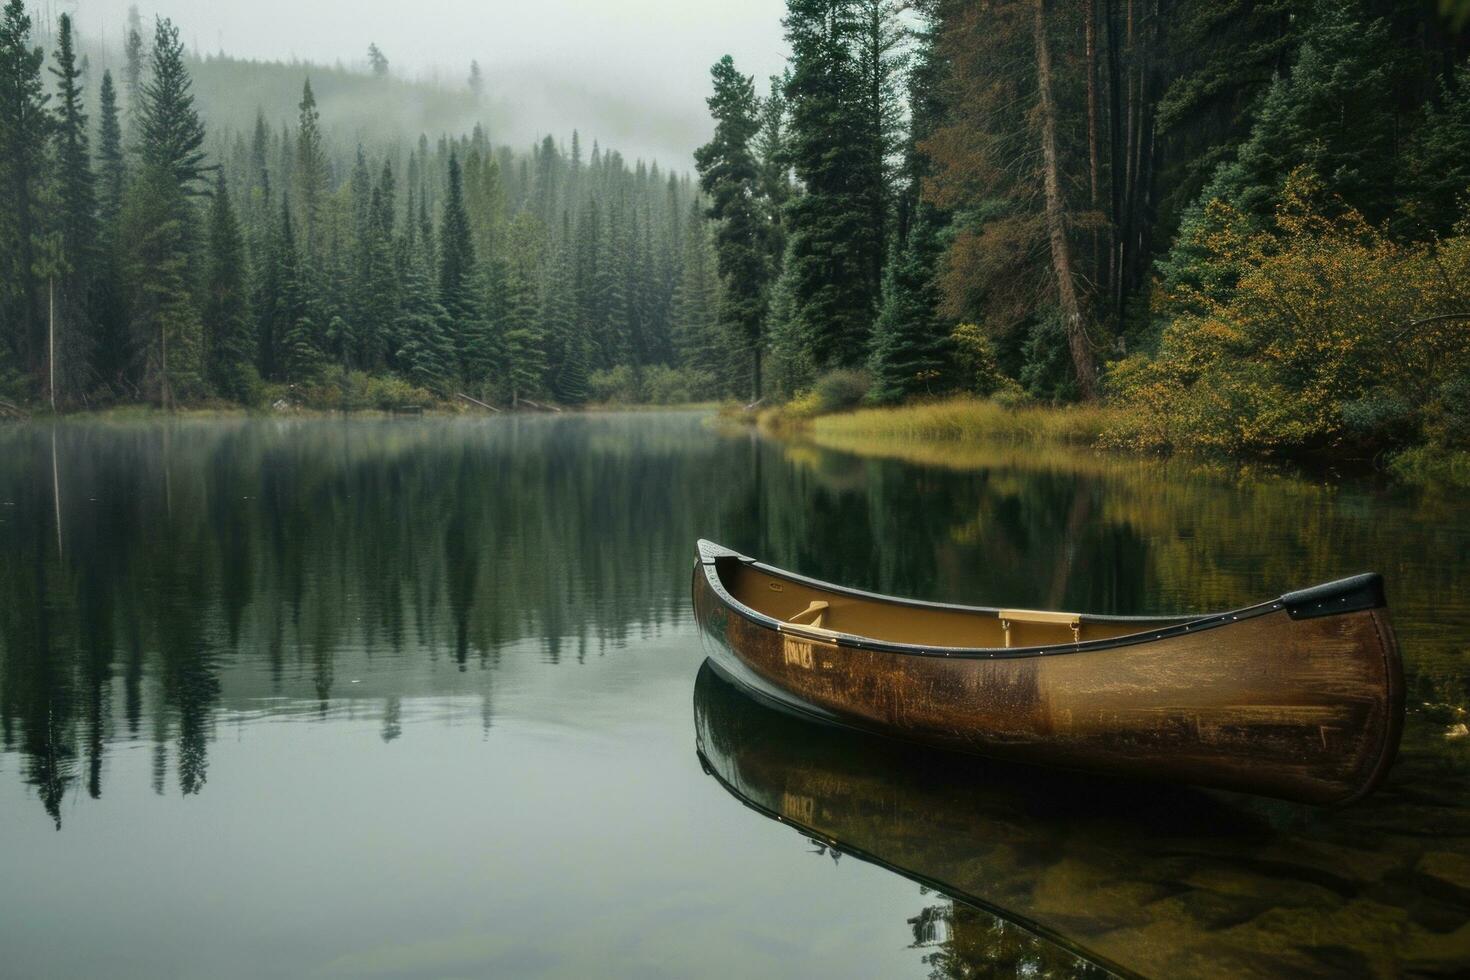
point(192, 413)
point(936, 432)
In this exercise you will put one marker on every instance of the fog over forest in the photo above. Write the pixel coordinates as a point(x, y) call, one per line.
point(632, 74)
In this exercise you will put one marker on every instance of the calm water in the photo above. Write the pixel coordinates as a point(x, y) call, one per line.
point(423, 698)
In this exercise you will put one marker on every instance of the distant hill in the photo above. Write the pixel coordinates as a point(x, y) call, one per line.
point(353, 105)
point(356, 105)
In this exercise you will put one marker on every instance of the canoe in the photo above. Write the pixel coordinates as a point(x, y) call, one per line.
point(1300, 697)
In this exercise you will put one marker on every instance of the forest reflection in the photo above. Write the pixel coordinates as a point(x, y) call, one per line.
point(157, 576)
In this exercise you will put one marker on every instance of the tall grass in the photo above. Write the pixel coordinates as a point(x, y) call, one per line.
point(968, 419)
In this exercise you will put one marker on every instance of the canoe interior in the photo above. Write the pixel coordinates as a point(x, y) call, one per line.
point(792, 600)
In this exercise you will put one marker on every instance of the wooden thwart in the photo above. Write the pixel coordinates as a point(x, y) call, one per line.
point(1040, 618)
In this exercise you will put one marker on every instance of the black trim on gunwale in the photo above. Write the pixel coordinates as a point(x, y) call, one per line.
point(1351, 593)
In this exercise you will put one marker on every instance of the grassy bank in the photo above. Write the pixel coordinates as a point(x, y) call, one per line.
point(969, 420)
point(968, 427)
point(962, 420)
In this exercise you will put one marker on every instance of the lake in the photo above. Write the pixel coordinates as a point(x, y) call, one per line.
point(420, 698)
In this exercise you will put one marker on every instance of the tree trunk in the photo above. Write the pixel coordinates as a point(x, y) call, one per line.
point(51, 337)
point(1056, 224)
point(1143, 171)
point(1089, 15)
point(1115, 158)
point(1130, 153)
point(163, 392)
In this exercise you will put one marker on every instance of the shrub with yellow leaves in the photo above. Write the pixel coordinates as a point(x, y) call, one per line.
point(1335, 338)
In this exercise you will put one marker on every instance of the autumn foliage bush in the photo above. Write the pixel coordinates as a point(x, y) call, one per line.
point(1318, 334)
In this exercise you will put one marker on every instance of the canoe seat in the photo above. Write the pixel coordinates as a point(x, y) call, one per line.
point(1037, 617)
point(813, 615)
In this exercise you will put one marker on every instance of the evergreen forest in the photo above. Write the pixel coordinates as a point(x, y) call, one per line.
point(155, 255)
point(1238, 225)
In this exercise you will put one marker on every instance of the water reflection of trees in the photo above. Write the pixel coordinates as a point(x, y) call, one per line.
point(202, 564)
point(198, 556)
point(961, 942)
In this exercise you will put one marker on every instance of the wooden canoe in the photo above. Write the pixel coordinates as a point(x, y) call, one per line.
point(1300, 697)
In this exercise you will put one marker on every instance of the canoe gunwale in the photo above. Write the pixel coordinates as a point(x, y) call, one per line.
point(710, 555)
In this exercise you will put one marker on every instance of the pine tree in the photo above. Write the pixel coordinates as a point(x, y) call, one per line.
point(586, 253)
point(297, 357)
point(133, 58)
point(485, 199)
point(377, 285)
point(548, 181)
point(791, 361)
point(1333, 112)
point(609, 324)
point(457, 272)
point(772, 157)
point(521, 337)
point(159, 219)
point(76, 218)
point(377, 61)
point(834, 251)
point(111, 353)
point(696, 333)
point(228, 335)
point(309, 177)
point(259, 213)
point(909, 340)
point(111, 168)
point(562, 332)
point(881, 63)
point(164, 322)
point(728, 173)
point(25, 128)
point(1439, 158)
point(171, 133)
point(426, 354)
point(360, 188)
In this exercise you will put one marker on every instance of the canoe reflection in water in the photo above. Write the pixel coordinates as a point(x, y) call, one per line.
point(1074, 870)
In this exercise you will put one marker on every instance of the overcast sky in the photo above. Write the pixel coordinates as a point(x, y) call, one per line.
point(651, 53)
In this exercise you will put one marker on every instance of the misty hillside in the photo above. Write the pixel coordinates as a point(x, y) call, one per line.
point(513, 109)
point(360, 107)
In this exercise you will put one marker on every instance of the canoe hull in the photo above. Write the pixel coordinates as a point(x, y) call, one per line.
point(1304, 709)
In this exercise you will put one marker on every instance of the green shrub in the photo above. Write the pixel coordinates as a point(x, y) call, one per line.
point(838, 391)
point(617, 385)
point(1047, 372)
point(663, 385)
point(976, 355)
point(656, 384)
